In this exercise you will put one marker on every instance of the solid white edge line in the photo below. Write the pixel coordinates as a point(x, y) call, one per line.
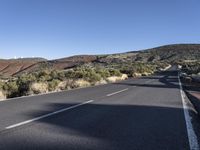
point(47, 115)
point(117, 92)
point(193, 142)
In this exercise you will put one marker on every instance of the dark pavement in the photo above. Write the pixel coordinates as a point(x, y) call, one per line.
point(147, 115)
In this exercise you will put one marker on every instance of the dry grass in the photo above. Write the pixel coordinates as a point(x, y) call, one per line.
point(82, 83)
point(64, 85)
point(2, 95)
point(38, 88)
point(124, 77)
point(116, 78)
point(146, 74)
point(102, 81)
point(136, 74)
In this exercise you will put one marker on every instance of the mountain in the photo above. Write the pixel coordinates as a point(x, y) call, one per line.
point(9, 67)
point(167, 53)
point(171, 53)
point(13, 67)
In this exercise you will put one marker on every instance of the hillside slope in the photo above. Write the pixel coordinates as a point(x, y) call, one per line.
point(167, 53)
point(171, 53)
point(12, 66)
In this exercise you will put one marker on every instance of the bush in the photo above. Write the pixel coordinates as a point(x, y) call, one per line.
point(104, 73)
point(11, 89)
point(88, 74)
point(2, 95)
point(61, 76)
point(53, 84)
point(44, 76)
point(1, 85)
point(53, 74)
point(76, 74)
point(132, 68)
point(115, 72)
point(24, 82)
point(38, 88)
point(191, 68)
point(51, 80)
point(91, 76)
point(81, 83)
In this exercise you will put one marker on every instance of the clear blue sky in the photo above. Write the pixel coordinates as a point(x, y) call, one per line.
point(59, 28)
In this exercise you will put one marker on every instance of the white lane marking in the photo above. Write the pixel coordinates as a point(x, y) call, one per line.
point(117, 92)
point(47, 115)
point(193, 142)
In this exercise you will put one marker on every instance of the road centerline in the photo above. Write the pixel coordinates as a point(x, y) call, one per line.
point(47, 115)
point(111, 94)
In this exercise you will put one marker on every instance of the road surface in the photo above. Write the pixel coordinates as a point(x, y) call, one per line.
point(145, 113)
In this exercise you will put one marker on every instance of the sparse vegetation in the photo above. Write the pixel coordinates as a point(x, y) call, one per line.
point(191, 67)
point(39, 76)
point(11, 89)
point(84, 75)
point(139, 68)
point(56, 80)
point(53, 84)
point(164, 54)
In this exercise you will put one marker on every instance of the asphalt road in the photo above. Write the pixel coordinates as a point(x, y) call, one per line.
point(145, 113)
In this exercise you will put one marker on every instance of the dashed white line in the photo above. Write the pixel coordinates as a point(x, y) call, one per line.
point(47, 115)
point(193, 142)
point(111, 94)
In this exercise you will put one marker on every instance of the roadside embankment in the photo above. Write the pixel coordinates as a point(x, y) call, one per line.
point(43, 87)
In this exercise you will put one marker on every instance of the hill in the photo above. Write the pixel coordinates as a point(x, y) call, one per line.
point(171, 53)
point(10, 67)
point(167, 53)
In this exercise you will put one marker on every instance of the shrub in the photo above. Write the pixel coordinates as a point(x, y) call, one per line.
point(1, 85)
point(53, 84)
point(104, 73)
point(115, 72)
point(116, 78)
point(44, 76)
point(81, 83)
point(191, 68)
point(76, 74)
point(68, 74)
point(61, 76)
point(2, 95)
point(38, 88)
point(24, 82)
point(88, 74)
point(53, 74)
point(11, 89)
point(91, 76)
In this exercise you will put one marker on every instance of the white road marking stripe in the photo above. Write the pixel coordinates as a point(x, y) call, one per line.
point(47, 115)
point(193, 142)
point(117, 92)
